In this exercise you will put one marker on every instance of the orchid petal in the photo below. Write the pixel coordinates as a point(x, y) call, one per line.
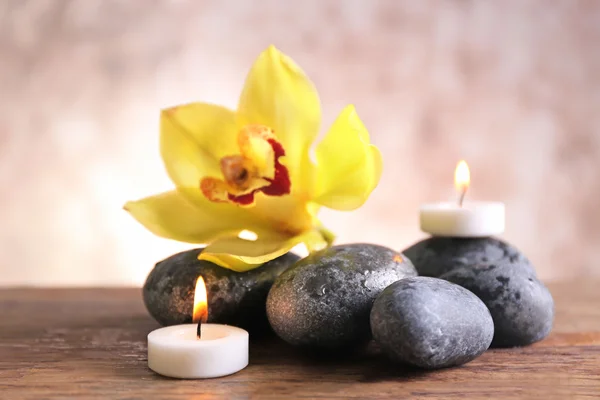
point(171, 215)
point(193, 139)
point(348, 166)
point(243, 255)
point(278, 94)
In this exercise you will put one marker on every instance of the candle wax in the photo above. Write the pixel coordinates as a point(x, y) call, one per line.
point(175, 351)
point(473, 219)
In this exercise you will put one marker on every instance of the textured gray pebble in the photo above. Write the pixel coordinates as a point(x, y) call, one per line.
point(324, 300)
point(437, 255)
point(431, 323)
point(234, 298)
point(521, 306)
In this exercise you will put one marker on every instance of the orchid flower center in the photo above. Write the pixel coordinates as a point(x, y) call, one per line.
point(256, 168)
point(236, 171)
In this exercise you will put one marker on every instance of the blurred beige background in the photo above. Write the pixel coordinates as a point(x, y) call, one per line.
point(511, 86)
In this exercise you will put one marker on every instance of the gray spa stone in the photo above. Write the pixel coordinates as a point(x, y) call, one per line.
point(437, 255)
point(521, 306)
point(324, 300)
point(234, 298)
point(431, 323)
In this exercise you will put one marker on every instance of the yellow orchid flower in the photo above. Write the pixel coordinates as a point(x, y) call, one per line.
point(250, 169)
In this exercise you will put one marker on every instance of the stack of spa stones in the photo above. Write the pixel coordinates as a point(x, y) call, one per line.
point(440, 303)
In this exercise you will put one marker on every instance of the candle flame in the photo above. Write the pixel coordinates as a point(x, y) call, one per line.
point(462, 176)
point(200, 313)
point(462, 179)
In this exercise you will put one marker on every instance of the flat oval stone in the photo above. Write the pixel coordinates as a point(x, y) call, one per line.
point(234, 298)
point(431, 323)
point(521, 306)
point(437, 255)
point(324, 300)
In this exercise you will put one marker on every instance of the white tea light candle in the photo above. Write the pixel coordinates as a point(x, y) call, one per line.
point(477, 219)
point(462, 219)
point(198, 351)
point(176, 351)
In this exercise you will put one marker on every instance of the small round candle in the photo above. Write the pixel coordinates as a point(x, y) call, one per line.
point(193, 351)
point(462, 219)
point(176, 351)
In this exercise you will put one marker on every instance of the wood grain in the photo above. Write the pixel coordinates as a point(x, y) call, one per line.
point(91, 343)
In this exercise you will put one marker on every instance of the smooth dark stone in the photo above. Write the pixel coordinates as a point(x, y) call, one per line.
point(234, 298)
point(521, 306)
point(431, 323)
point(324, 300)
point(437, 255)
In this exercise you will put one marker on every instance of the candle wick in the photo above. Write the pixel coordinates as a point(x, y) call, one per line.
point(203, 318)
point(462, 197)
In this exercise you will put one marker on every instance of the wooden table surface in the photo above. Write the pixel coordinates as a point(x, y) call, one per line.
point(91, 343)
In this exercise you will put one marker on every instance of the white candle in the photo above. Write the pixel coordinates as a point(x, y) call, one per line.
point(176, 351)
point(476, 219)
point(179, 352)
point(470, 219)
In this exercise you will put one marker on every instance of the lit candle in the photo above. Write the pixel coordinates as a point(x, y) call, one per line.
point(198, 350)
point(462, 219)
